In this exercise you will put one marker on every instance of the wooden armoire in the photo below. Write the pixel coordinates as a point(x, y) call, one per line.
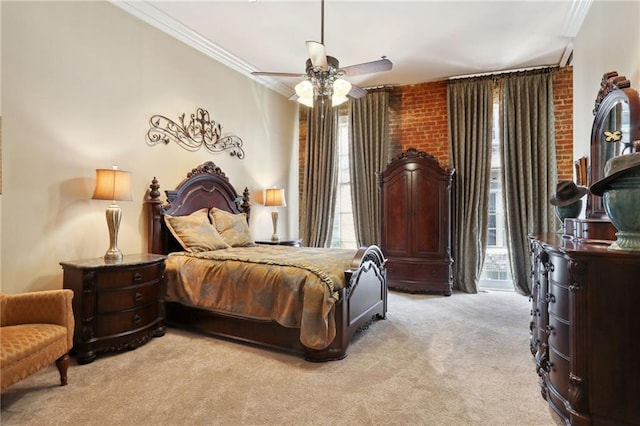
point(415, 217)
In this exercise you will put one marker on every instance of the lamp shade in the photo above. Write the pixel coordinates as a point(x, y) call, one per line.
point(112, 184)
point(341, 87)
point(274, 197)
point(304, 90)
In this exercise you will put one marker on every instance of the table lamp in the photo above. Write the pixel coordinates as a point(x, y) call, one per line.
point(274, 197)
point(113, 184)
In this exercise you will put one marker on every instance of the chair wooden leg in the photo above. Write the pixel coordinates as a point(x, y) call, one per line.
point(63, 364)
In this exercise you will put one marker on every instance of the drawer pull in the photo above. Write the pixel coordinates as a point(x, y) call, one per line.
point(550, 298)
point(136, 319)
point(549, 329)
point(137, 276)
point(138, 297)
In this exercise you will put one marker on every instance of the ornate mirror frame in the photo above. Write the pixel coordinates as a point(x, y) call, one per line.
point(615, 94)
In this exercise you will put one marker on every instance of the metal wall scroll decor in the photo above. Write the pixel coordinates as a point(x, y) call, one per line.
point(198, 132)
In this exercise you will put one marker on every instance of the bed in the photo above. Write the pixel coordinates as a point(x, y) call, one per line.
point(239, 292)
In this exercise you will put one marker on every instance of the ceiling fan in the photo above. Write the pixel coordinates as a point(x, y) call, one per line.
point(324, 75)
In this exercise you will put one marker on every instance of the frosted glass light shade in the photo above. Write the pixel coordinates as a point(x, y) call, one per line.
point(304, 89)
point(341, 87)
point(337, 100)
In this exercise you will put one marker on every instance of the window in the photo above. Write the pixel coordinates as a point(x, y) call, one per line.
point(496, 274)
point(343, 234)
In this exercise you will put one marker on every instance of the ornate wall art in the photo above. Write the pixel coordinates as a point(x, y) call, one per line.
point(199, 131)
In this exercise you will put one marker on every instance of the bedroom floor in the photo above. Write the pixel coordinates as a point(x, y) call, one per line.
point(435, 360)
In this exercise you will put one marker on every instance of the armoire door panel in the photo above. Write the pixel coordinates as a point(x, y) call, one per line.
point(427, 212)
point(397, 205)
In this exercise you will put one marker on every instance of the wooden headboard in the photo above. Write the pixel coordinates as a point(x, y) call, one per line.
point(205, 186)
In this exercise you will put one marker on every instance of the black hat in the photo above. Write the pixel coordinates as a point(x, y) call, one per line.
point(615, 168)
point(567, 193)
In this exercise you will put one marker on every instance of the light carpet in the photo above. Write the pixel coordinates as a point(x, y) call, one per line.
point(458, 360)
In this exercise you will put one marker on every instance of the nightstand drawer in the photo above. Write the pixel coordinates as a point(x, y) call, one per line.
point(113, 301)
point(123, 277)
point(110, 324)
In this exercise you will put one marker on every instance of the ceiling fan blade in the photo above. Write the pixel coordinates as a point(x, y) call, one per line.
point(278, 74)
point(368, 67)
point(356, 92)
point(317, 54)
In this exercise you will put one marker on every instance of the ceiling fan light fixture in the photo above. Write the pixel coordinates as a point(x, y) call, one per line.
point(337, 100)
point(306, 101)
point(341, 87)
point(304, 89)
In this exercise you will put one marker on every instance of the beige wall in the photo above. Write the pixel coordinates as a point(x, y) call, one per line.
point(80, 81)
point(609, 40)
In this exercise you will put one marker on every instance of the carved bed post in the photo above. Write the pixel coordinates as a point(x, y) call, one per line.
point(154, 210)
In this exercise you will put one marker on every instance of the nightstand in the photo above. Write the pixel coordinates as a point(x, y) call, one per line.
point(117, 306)
point(292, 243)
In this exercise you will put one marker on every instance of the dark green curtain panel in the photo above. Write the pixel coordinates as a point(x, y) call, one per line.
point(470, 109)
point(529, 165)
point(321, 175)
point(368, 154)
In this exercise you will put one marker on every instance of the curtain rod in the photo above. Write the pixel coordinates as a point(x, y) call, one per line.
point(383, 86)
point(495, 75)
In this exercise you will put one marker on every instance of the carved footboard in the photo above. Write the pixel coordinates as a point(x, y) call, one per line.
point(362, 301)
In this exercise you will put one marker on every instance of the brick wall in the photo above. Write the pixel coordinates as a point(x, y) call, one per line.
point(418, 118)
point(563, 104)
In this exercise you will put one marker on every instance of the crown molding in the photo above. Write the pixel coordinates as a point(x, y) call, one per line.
point(165, 23)
point(571, 27)
point(575, 17)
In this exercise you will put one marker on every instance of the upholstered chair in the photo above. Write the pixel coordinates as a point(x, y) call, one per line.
point(36, 329)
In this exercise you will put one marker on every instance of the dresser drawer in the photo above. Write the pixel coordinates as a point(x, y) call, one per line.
point(124, 277)
point(119, 300)
point(559, 335)
point(110, 324)
point(559, 372)
point(422, 272)
point(558, 297)
point(558, 269)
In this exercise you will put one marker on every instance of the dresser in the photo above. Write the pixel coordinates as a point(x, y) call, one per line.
point(585, 329)
point(415, 198)
point(117, 306)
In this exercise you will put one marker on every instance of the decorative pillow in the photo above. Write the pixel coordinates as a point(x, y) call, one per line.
point(232, 227)
point(194, 232)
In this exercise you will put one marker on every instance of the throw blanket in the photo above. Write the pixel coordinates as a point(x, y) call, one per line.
point(296, 287)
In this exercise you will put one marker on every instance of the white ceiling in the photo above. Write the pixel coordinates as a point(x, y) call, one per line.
point(425, 40)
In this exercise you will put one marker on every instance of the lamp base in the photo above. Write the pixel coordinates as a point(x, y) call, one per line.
point(114, 215)
point(274, 218)
point(113, 256)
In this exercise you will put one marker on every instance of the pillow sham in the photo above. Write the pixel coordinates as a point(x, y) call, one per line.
point(194, 232)
point(232, 227)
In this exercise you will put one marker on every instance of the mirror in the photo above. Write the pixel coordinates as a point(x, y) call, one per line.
point(615, 130)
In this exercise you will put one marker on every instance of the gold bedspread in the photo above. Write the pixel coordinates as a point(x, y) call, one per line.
point(295, 286)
